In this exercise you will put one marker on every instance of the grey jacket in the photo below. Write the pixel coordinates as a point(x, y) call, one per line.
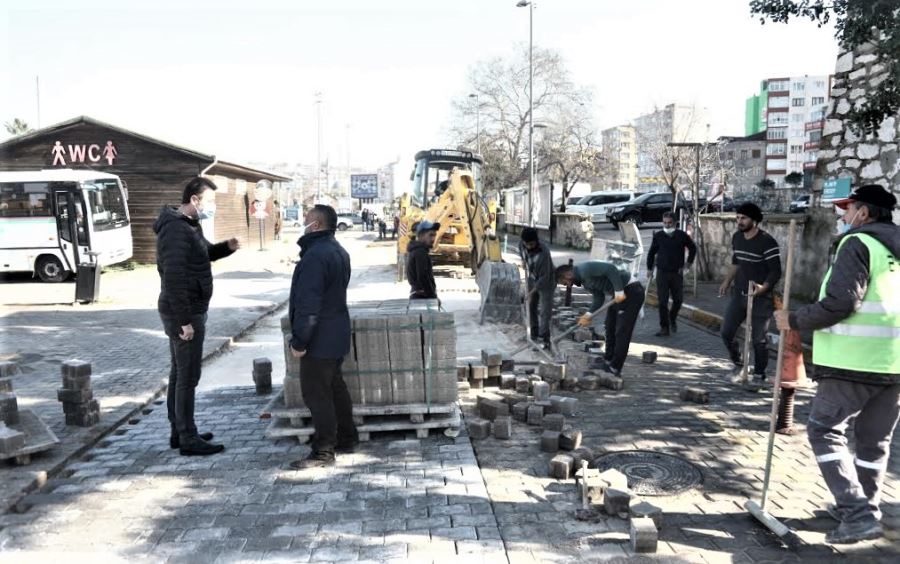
point(539, 267)
point(844, 294)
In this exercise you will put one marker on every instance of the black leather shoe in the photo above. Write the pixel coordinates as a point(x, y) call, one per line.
point(175, 441)
point(198, 447)
point(663, 332)
point(314, 460)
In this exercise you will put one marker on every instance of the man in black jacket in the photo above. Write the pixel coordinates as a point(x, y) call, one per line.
point(856, 355)
point(419, 269)
point(541, 280)
point(320, 336)
point(755, 258)
point(186, 286)
point(667, 255)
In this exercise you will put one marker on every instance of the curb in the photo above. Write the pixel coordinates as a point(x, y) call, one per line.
point(43, 476)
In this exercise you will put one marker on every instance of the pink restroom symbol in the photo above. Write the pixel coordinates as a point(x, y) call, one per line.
point(109, 152)
point(58, 154)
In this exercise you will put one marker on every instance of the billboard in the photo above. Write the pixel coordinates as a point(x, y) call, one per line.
point(364, 186)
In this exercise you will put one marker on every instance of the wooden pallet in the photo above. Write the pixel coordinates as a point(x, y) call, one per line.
point(38, 437)
point(276, 409)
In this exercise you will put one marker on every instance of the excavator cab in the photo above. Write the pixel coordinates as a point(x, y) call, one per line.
point(431, 175)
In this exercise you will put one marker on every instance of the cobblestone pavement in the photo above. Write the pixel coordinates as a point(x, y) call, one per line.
point(725, 439)
point(122, 337)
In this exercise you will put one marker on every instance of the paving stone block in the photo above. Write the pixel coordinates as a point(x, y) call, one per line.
point(508, 381)
point(262, 365)
point(554, 422)
point(611, 382)
point(550, 441)
point(614, 479)
point(583, 453)
point(555, 402)
point(492, 382)
point(616, 501)
point(462, 373)
point(6, 385)
point(491, 357)
point(520, 411)
point(8, 368)
point(83, 419)
point(568, 406)
point(523, 385)
point(76, 367)
point(74, 396)
point(76, 381)
point(569, 439)
point(263, 382)
point(494, 372)
point(10, 439)
point(551, 371)
point(592, 487)
point(479, 429)
point(561, 466)
point(477, 384)
point(649, 357)
point(491, 409)
point(589, 382)
point(583, 334)
point(640, 508)
point(507, 364)
point(503, 427)
point(568, 384)
point(694, 394)
point(9, 409)
point(541, 391)
point(535, 414)
point(644, 535)
point(512, 398)
point(478, 371)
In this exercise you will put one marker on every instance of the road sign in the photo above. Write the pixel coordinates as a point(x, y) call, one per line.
point(263, 190)
point(836, 189)
point(259, 210)
point(363, 186)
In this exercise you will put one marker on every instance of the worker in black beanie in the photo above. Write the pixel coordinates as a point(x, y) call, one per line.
point(755, 258)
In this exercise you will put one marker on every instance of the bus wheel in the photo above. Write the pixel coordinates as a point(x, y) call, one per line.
point(49, 269)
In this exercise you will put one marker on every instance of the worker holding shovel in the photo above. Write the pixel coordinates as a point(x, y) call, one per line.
point(856, 355)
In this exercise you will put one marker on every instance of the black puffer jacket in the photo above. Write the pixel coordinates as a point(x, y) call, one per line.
point(182, 259)
point(844, 294)
point(419, 271)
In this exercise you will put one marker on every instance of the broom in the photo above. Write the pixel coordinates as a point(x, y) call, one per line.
point(758, 510)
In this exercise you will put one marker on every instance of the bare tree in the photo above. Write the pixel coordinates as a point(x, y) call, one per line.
point(501, 86)
point(669, 166)
point(17, 127)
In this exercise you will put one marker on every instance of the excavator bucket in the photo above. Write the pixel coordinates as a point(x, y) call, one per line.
point(501, 294)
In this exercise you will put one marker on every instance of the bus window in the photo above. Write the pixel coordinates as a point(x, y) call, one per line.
point(24, 199)
point(80, 224)
point(62, 216)
point(107, 204)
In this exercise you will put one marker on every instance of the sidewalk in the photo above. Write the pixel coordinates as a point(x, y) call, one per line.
point(122, 338)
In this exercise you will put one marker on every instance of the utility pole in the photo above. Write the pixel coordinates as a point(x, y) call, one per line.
point(318, 146)
point(37, 93)
point(530, 5)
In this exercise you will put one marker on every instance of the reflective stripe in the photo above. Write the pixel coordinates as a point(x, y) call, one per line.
point(879, 307)
point(870, 465)
point(831, 456)
point(863, 331)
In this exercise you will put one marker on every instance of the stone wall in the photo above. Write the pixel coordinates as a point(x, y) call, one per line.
point(871, 158)
point(573, 230)
point(812, 245)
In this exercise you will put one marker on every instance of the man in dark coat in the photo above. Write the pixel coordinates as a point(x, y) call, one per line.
point(183, 258)
point(419, 268)
point(320, 336)
point(541, 283)
point(667, 256)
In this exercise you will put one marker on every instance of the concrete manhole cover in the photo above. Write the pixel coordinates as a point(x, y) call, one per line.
point(653, 473)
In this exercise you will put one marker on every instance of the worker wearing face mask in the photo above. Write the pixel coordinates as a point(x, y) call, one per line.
point(667, 256)
point(856, 356)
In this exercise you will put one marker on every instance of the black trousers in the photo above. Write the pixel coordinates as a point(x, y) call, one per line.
point(540, 309)
point(669, 284)
point(326, 394)
point(620, 321)
point(184, 374)
point(735, 314)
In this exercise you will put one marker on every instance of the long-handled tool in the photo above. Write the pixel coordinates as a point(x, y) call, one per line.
point(748, 337)
point(529, 342)
point(650, 277)
point(787, 535)
point(590, 315)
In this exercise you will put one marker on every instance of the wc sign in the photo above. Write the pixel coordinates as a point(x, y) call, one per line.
point(65, 155)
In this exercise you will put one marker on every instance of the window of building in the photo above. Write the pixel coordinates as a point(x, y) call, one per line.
point(816, 100)
point(796, 118)
point(820, 84)
point(799, 86)
point(778, 85)
point(776, 133)
point(798, 102)
point(777, 119)
point(815, 135)
point(796, 149)
point(817, 115)
point(756, 153)
point(775, 149)
point(778, 102)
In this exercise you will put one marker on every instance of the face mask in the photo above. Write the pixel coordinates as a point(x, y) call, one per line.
point(668, 230)
point(305, 227)
point(206, 211)
point(847, 225)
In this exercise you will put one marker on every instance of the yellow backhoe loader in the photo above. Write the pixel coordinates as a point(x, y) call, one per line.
point(447, 190)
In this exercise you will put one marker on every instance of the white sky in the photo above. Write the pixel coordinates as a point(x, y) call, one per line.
point(237, 78)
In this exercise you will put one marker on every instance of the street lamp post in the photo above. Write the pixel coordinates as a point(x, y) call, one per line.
point(477, 123)
point(530, 5)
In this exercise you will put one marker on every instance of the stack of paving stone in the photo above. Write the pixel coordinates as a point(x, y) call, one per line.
point(494, 361)
point(403, 355)
point(262, 375)
point(11, 440)
point(22, 433)
point(76, 395)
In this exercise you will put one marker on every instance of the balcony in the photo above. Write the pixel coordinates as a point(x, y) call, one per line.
point(811, 145)
point(809, 165)
point(814, 125)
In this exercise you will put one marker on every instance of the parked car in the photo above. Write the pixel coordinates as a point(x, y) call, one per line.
point(716, 205)
point(597, 204)
point(800, 204)
point(648, 208)
point(570, 201)
point(345, 221)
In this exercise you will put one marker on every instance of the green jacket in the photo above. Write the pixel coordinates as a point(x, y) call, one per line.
point(600, 278)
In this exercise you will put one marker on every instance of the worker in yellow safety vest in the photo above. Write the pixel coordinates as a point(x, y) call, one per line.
point(856, 356)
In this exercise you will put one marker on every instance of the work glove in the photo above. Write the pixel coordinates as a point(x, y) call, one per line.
point(584, 320)
point(619, 297)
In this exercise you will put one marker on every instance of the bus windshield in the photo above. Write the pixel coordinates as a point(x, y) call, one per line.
point(107, 204)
